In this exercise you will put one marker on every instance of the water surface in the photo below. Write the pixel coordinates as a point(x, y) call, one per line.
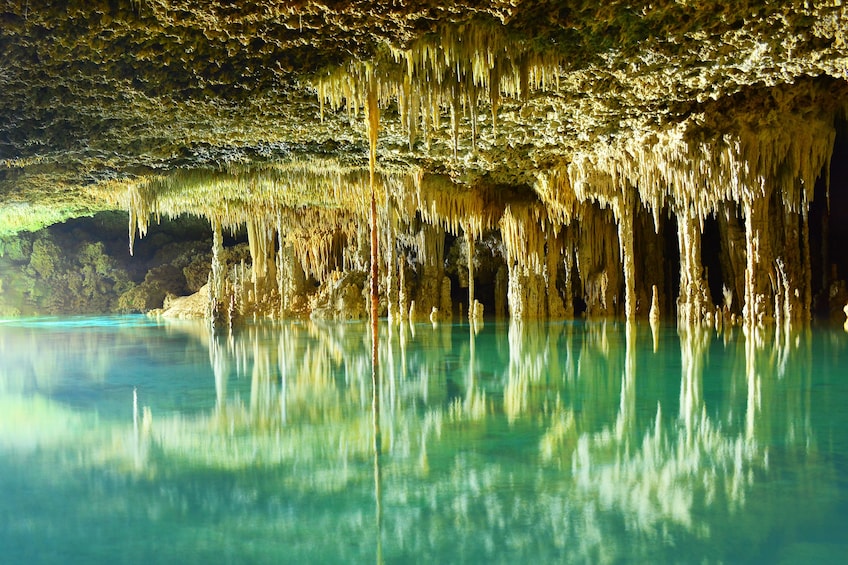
point(127, 440)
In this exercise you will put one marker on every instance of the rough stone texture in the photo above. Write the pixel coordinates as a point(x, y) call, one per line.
point(340, 298)
point(596, 115)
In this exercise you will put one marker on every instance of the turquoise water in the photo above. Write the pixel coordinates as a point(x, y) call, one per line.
point(126, 440)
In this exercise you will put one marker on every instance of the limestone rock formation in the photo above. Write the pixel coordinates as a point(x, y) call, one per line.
point(630, 158)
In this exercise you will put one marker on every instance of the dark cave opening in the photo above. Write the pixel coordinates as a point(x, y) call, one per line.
point(828, 224)
point(671, 264)
point(487, 260)
point(711, 259)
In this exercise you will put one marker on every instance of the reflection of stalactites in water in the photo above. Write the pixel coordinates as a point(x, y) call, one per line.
point(560, 439)
point(220, 368)
point(378, 440)
point(675, 467)
point(262, 397)
point(475, 397)
point(655, 333)
point(778, 367)
point(753, 344)
point(284, 361)
point(694, 347)
point(378, 486)
point(529, 353)
point(627, 404)
point(378, 483)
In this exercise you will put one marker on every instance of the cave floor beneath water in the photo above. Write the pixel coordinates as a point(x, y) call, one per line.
point(126, 439)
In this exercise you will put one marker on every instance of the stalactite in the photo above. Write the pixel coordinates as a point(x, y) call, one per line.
point(459, 65)
point(454, 207)
point(694, 304)
point(598, 260)
point(710, 161)
point(707, 162)
point(430, 292)
point(494, 96)
point(140, 202)
point(217, 278)
point(759, 273)
point(373, 125)
point(523, 232)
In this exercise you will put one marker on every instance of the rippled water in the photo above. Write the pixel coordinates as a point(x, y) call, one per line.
point(127, 440)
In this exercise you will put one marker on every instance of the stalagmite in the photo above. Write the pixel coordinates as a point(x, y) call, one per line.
point(627, 402)
point(446, 306)
point(654, 315)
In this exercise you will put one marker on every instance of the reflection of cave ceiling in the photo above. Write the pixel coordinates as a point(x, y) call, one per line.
point(96, 91)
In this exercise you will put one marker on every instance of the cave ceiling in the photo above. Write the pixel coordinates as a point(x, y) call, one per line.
point(99, 96)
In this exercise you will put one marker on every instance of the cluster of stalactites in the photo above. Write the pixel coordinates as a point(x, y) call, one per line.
point(453, 70)
point(693, 173)
point(319, 239)
point(455, 208)
point(685, 167)
point(309, 182)
point(139, 203)
point(525, 234)
point(309, 191)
